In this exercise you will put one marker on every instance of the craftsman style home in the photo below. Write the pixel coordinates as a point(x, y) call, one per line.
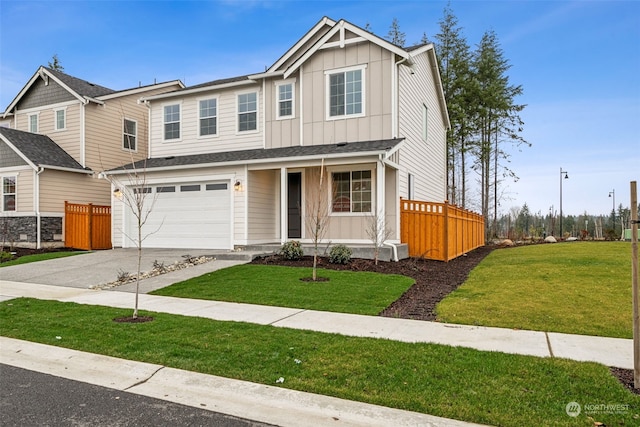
point(239, 161)
point(55, 137)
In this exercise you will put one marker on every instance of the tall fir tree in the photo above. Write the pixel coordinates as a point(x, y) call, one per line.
point(396, 36)
point(56, 65)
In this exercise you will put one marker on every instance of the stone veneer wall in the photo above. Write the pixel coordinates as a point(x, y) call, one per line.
point(21, 231)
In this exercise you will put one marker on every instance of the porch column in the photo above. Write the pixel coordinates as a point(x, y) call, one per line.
point(380, 197)
point(283, 205)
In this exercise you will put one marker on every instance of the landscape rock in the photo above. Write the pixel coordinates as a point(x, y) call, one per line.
point(550, 239)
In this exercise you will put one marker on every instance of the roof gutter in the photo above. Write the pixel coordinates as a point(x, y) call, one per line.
point(198, 90)
point(63, 169)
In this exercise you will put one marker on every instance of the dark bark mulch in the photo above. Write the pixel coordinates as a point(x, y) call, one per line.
point(131, 319)
point(625, 376)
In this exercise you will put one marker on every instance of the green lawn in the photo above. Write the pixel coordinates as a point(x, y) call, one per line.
point(482, 387)
point(579, 287)
point(39, 257)
point(346, 291)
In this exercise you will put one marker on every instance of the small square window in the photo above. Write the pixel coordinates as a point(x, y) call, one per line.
point(352, 191)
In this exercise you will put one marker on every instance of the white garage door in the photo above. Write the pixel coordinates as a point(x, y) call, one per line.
point(195, 215)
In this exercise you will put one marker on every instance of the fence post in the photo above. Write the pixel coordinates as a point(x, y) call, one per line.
point(90, 222)
point(446, 231)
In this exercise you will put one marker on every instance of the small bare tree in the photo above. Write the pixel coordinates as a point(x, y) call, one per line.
point(317, 215)
point(378, 233)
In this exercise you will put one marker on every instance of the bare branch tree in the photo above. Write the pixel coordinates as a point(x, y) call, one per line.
point(378, 233)
point(317, 214)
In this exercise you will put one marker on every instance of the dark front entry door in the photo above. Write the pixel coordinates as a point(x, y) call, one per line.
point(294, 209)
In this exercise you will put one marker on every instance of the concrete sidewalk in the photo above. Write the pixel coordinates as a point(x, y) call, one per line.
point(273, 404)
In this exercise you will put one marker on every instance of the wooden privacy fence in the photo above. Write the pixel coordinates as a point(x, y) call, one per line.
point(87, 227)
point(439, 231)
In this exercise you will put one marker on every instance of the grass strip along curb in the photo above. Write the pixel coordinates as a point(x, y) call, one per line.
point(345, 291)
point(464, 384)
point(39, 257)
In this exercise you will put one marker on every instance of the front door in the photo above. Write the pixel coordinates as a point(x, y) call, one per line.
point(294, 209)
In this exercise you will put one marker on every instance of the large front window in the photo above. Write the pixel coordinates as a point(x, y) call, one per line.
point(9, 193)
point(346, 93)
point(172, 121)
point(247, 112)
point(208, 117)
point(351, 191)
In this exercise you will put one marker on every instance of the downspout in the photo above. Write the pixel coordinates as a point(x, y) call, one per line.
point(394, 249)
point(37, 206)
point(148, 130)
point(394, 98)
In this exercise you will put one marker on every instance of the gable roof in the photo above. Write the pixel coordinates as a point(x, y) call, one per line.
point(82, 90)
point(261, 155)
point(39, 151)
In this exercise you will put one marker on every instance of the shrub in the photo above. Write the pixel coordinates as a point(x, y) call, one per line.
point(291, 250)
point(339, 254)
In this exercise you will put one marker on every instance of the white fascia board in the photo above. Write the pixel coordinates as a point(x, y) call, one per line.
point(323, 22)
point(18, 152)
point(354, 156)
point(63, 169)
point(266, 75)
point(198, 90)
point(142, 89)
point(341, 27)
point(439, 88)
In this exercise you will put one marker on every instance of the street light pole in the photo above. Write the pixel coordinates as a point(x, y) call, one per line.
point(566, 176)
point(614, 209)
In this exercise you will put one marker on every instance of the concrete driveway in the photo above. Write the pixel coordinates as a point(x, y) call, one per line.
point(90, 269)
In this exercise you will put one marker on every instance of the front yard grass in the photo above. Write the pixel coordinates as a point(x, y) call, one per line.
point(482, 387)
point(345, 291)
point(577, 288)
point(25, 259)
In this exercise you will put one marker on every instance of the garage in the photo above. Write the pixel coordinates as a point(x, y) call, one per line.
point(191, 215)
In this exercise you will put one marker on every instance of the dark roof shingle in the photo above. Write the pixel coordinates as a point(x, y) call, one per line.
point(81, 87)
point(40, 149)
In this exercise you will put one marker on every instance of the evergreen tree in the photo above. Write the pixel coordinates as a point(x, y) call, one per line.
point(55, 65)
point(396, 36)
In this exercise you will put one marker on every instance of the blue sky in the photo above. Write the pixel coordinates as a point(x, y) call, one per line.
point(578, 63)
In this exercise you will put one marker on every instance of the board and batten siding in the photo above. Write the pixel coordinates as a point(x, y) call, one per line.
point(425, 160)
point(376, 122)
point(281, 132)
point(58, 186)
point(263, 206)
point(227, 138)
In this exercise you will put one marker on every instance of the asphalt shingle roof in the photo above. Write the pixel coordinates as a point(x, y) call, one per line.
point(318, 151)
point(40, 149)
point(81, 87)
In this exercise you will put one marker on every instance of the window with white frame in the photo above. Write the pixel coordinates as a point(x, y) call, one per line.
point(33, 123)
point(352, 192)
point(345, 91)
point(285, 100)
point(129, 135)
point(172, 121)
point(425, 121)
point(247, 112)
point(8, 193)
point(208, 111)
point(60, 117)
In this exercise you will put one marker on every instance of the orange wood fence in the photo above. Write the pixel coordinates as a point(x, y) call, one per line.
point(439, 231)
point(87, 227)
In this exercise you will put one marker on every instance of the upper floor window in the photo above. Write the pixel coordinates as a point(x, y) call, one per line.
point(60, 119)
point(346, 93)
point(247, 111)
point(208, 117)
point(9, 193)
point(425, 121)
point(172, 121)
point(351, 191)
point(130, 135)
point(33, 123)
point(285, 100)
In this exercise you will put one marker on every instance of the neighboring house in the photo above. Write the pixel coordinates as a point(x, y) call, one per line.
point(237, 161)
point(64, 131)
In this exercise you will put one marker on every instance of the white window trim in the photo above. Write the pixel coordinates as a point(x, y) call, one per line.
point(351, 169)
point(2, 193)
point(135, 150)
point(37, 116)
point(327, 91)
point(237, 117)
point(291, 82)
point(217, 116)
point(163, 122)
point(55, 119)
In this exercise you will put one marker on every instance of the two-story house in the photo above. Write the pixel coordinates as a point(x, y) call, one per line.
point(57, 134)
point(238, 161)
